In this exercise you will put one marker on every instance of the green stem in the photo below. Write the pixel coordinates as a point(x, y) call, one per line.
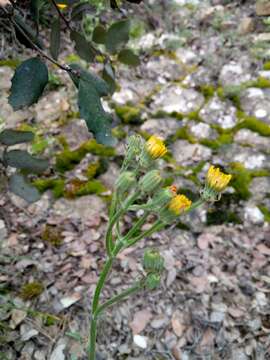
point(117, 298)
point(113, 220)
point(137, 226)
point(158, 225)
point(195, 205)
point(93, 337)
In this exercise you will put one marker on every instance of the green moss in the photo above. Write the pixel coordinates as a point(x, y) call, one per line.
point(129, 114)
point(31, 290)
point(56, 185)
point(242, 178)
point(252, 123)
point(207, 90)
point(266, 212)
point(261, 82)
point(194, 115)
point(68, 159)
point(52, 235)
point(266, 66)
point(80, 188)
point(183, 133)
point(92, 170)
point(223, 139)
point(12, 63)
point(119, 133)
point(231, 93)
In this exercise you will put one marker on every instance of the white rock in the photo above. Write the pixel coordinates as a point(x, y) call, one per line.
point(58, 352)
point(253, 215)
point(3, 231)
point(251, 161)
point(186, 153)
point(260, 113)
point(162, 127)
point(27, 333)
point(140, 341)
point(201, 130)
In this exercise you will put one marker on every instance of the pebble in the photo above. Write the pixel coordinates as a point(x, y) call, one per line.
point(140, 341)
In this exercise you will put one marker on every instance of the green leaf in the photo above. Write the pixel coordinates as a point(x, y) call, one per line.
point(128, 57)
point(108, 75)
point(80, 10)
point(55, 38)
point(28, 83)
point(83, 47)
point(74, 335)
point(117, 35)
point(21, 187)
point(99, 34)
point(91, 89)
point(21, 159)
point(11, 137)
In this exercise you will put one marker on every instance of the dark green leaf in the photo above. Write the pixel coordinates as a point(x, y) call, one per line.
point(117, 35)
point(109, 76)
point(28, 83)
point(80, 10)
point(99, 34)
point(21, 159)
point(24, 33)
point(135, 1)
point(21, 187)
point(55, 38)
point(114, 4)
point(35, 7)
point(11, 137)
point(128, 57)
point(83, 47)
point(100, 85)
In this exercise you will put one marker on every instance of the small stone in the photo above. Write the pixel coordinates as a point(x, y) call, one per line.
point(262, 7)
point(234, 74)
point(70, 300)
point(58, 352)
point(162, 127)
point(17, 316)
point(40, 355)
point(246, 26)
point(27, 332)
point(262, 37)
point(3, 231)
point(159, 322)
point(177, 99)
point(186, 153)
point(201, 130)
point(253, 215)
point(140, 341)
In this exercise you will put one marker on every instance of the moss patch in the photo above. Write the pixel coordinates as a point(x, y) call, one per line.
point(266, 66)
point(56, 185)
point(79, 188)
point(266, 212)
point(207, 91)
point(242, 178)
point(252, 123)
point(68, 159)
point(223, 139)
point(129, 114)
point(52, 235)
point(31, 290)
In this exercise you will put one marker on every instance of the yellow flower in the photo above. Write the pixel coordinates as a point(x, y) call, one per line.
point(216, 179)
point(61, 6)
point(155, 147)
point(179, 204)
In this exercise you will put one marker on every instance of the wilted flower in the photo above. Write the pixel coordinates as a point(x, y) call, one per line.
point(155, 147)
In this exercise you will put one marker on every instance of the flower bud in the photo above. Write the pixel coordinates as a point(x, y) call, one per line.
point(152, 281)
point(153, 261)
point(150, 181)
point(125, 181)
point(161, 199)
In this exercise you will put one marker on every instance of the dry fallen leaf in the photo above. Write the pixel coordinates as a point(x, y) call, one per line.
point(263, 249)
point(140, 320)
point(178, 323)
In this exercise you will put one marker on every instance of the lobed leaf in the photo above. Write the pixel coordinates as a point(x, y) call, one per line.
point(117, 35)
point(12, 137)
point(21, 159)
point(21, 187)
point(28, 83)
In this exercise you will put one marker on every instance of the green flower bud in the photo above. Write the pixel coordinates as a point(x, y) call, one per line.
point(125, 181)
point(153, 261)
point(150, 181)
point(152, 281)
point(161, 199)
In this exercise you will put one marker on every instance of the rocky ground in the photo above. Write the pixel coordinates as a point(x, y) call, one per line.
point(204, 86)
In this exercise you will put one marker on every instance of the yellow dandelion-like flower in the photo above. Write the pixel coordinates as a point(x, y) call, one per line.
point(155, 147)
point(216, 179)
point(61, 6)
point(179, 203)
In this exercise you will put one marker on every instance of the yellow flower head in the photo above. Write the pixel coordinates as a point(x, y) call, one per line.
point(61, 6)
point(216, 179)
point(155, 147)
point(179, 204)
